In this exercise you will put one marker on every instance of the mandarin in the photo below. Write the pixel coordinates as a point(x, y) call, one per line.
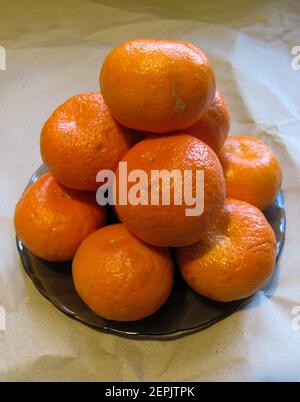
point(213, 126)
point(168, 225)
point(157, 85)
point(235, 258)
point(251, 170)
point(52, 220)
point(81, 138)
point(120, 277)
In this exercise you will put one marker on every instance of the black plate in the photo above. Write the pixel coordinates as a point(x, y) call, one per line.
point(184, 312)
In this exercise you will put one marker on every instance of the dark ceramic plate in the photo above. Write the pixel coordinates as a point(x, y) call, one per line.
point(184, 312)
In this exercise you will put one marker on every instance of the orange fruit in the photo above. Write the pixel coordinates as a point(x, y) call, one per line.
point(235, 258)
point(157, 85)
point(169, 225)
point(52, 220)
point(251, 170)
point(213, 126)
point(121, 278)
point(81, 138)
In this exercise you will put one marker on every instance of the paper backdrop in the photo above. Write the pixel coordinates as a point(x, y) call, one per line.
point(53, 51)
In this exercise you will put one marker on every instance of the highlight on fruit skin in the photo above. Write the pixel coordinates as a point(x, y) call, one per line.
point(120, 277)
point(81, 138)
point(251, 170)
point(169, 225)
point(52, 220)
point(213, 126)
point(157, 85)
point(235, 258)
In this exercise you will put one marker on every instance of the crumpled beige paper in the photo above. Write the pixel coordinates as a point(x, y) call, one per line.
point(54, 50)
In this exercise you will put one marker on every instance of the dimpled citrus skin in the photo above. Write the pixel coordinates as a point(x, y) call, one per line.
point(213, 126)
point(157, 85)
point(235, 258)
point(168, 225)
point(81, 138)
point(52, 220)
point(251, 170)
point(121, 278)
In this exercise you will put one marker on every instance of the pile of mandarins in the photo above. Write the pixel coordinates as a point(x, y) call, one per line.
point(158, 110)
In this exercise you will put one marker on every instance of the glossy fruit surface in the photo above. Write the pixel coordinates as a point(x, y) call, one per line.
point(81, 138)
point(213, 126)
point(170, 225)
point(251, 170)
point(157, 85)
point(235, 258)
point(121, 278)
point(52, 220)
